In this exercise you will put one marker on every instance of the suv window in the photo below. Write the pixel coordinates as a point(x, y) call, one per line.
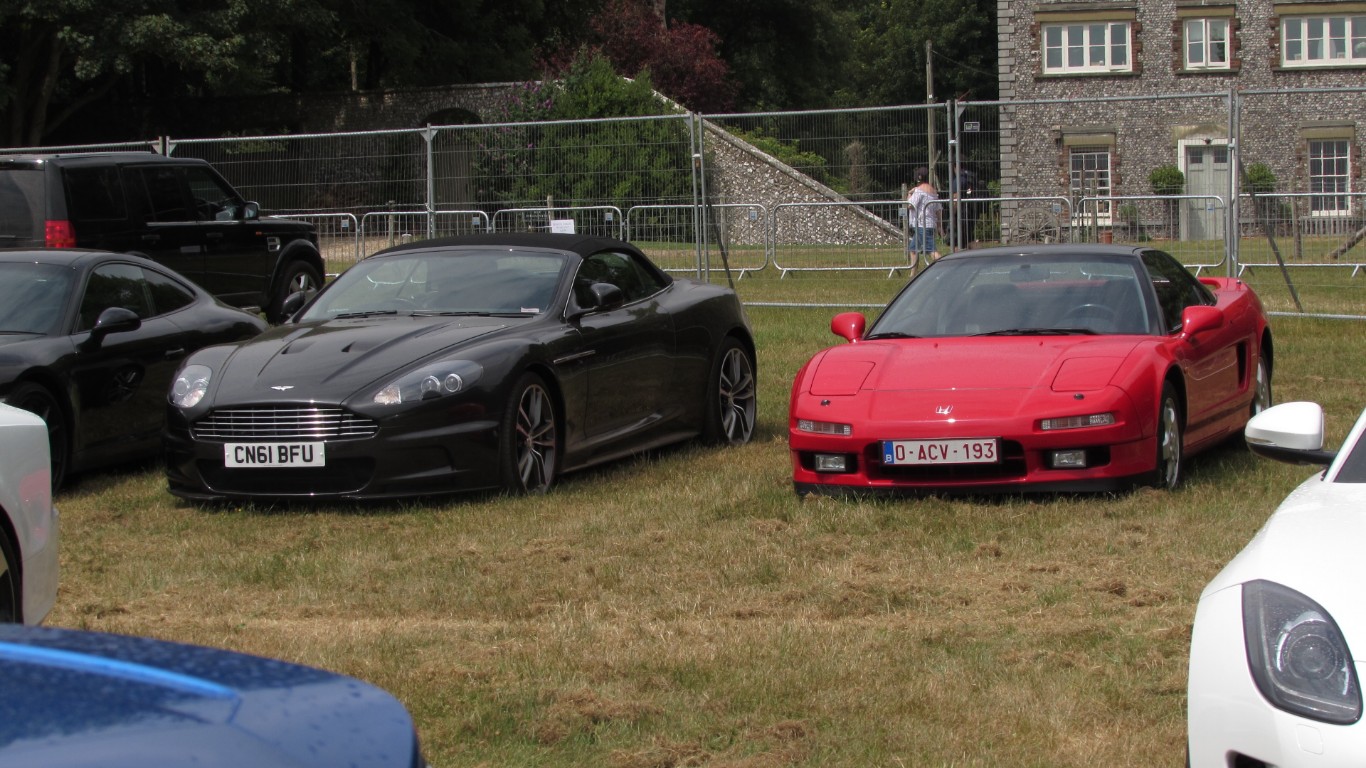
point(163, 193)
point(94, 194)
point(212, 200)
point(22, 212)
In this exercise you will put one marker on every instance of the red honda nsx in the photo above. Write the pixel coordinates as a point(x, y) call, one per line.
point(1049, 368)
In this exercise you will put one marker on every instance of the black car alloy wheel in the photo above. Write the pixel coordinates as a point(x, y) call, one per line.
point(733, 398)
point(529, 438)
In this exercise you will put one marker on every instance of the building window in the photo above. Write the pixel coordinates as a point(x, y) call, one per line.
point(1206, 43)
point(1323, 41)
point(1100, 46)
point(1329, 174)
point(1090, 179)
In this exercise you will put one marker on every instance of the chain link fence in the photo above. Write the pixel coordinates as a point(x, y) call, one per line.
point(824, 192)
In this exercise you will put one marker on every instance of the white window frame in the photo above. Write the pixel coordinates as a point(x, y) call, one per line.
point(1338, 184)
point(1078, 51)
point(1331, 40)
point(1205, 43)
point(1103, 182)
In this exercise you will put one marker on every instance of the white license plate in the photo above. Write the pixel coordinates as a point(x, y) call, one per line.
point(958, 451)
point(274, 455)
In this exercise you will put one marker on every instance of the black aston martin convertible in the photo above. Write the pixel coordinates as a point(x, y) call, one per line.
point(482, 362)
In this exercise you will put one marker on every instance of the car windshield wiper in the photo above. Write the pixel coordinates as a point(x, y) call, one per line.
point(1039, 332)
point(367, 313)
point(469, 313)
point(890, 335)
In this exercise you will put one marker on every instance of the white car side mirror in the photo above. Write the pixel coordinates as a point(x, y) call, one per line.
point(1290, 432)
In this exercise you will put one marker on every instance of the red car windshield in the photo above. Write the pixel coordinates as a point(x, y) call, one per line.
point(1019, 295)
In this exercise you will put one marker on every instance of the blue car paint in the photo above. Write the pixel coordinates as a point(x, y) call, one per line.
point(70, 698)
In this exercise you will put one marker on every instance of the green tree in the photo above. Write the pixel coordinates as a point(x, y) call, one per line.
point(783, 53)
point(59, 56)
point(888, 63)
point(607, 162)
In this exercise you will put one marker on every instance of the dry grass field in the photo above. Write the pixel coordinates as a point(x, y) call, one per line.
point(685, 608)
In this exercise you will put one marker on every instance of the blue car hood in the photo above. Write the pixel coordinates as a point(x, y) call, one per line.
point(86, 699)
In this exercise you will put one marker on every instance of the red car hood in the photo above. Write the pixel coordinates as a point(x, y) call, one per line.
point(967, 386)
point(998, 363)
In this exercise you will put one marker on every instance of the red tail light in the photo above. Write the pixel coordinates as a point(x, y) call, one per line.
point(60, 234)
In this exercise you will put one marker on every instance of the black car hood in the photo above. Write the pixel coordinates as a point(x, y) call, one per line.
point(332, 360)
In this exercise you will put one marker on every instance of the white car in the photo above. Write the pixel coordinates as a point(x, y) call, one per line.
point(28, 521)
point(1273, 677)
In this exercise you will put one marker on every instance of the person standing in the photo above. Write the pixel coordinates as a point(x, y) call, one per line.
point(923, 208)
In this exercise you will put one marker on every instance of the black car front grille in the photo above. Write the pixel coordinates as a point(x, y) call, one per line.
point(268, 422)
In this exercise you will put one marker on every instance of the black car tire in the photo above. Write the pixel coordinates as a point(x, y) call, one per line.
point(1168, 440)
point(37, 399)
point(732, 396)
point(529, 438)
point(11, 606)
point(297, 276)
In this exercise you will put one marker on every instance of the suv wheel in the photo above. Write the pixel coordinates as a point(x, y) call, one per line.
point(298, 276)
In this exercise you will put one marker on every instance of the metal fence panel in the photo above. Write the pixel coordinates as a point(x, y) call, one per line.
point(826, 190)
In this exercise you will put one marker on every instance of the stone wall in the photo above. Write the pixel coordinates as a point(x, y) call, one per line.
point(743, 174)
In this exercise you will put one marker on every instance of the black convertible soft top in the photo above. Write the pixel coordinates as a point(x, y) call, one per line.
point(583, 245)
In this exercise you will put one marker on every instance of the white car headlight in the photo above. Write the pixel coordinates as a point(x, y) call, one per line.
point(1298, 656)
point(432, 381)
point(190, 386)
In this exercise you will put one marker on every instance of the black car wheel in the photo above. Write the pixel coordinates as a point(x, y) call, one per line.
point(298, 276)
point(11, 610)
point(36, 399)
point(732, 396)
point(529, 438)
point(1168, 440)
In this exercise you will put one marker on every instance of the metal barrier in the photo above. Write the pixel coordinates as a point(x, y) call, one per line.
point(609, 222)
point(338, 234)
point(872, 243)
point(737, 232)
point(1191, 227)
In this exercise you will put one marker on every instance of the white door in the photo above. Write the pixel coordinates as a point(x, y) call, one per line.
point(1207, 173)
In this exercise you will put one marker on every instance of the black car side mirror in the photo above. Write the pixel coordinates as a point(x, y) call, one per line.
point(293, 303)
point(600, 296)
point(112, 320)
point(252, 211)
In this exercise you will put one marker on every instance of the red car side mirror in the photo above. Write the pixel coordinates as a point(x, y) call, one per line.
point(848, 325)
point(1198, 319)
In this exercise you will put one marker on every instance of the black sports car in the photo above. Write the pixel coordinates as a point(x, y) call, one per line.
point(487, 361)
point(90, 340)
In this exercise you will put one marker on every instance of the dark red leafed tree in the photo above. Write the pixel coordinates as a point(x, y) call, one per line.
point(682, 58)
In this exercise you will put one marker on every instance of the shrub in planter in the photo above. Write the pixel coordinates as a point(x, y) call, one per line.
point(1168, 180)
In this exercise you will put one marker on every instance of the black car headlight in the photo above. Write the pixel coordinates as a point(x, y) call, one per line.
point(190, 386)
point(1298, 656)
point(429, 382)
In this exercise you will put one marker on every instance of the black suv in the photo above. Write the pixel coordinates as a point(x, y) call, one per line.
point(177, 211)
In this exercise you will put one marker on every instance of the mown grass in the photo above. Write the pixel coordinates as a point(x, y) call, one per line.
point(686, 608)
